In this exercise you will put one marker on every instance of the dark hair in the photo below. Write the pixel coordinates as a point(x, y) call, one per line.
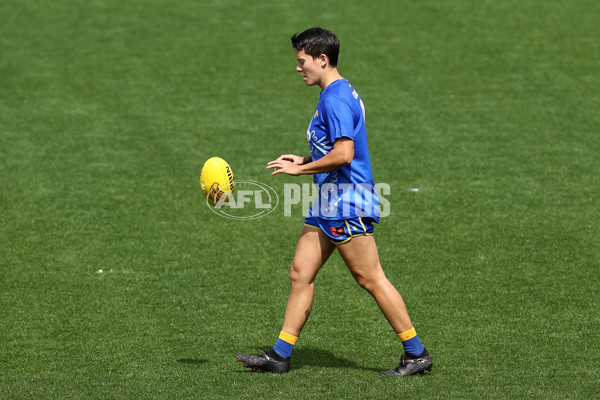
point(316, 41)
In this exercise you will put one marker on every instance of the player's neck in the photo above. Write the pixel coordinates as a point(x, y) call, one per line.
point(331, 75)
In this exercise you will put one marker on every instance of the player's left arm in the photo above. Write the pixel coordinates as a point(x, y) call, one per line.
point(341, 154)
point(294, 158)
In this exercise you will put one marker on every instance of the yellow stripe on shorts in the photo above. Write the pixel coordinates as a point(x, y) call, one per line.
point(363, 225)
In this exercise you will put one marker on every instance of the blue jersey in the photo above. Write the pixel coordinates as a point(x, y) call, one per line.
point(349, 191)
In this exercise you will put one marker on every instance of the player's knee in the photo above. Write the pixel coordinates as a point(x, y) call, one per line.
point(298, 274)
point(370, 283)
point(364, 282)
point(295, 273)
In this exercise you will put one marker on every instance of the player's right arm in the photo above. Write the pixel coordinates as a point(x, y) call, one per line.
point(341, 154)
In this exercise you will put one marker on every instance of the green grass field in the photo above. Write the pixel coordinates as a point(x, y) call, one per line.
point(108, 110)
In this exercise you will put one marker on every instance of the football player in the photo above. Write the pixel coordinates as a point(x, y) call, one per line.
point(342, 216)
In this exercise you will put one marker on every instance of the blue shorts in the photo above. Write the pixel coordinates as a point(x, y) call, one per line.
point(342, 230)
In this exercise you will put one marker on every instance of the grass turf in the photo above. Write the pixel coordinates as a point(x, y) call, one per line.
point(109, 109)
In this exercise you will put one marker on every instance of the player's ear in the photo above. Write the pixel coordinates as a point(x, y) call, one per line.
point(323, 60)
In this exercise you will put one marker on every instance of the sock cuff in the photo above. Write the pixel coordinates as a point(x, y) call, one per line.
point(289, 338)
point(409, 334)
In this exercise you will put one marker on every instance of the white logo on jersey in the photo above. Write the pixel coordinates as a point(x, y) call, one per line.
point(322, 145)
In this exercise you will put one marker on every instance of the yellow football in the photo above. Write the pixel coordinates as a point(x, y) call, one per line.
point(216, 181)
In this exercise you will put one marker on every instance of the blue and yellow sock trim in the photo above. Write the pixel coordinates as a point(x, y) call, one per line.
point(285, 344)
point(411, 343)
point(409, 334)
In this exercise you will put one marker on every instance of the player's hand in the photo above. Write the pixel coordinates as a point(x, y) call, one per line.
point(292, 158)
point(285, 166)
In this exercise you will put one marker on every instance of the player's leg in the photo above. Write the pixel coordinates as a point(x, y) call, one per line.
point(312, 251)
point(362, 259)
point(361, 256)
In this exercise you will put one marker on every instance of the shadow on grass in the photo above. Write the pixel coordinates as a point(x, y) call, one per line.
point(304, 357)
point(312, 357)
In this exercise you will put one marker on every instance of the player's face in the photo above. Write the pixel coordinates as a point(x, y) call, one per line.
point(310, 68)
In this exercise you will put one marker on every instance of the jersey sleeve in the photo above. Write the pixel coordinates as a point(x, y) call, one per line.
point(338, 118)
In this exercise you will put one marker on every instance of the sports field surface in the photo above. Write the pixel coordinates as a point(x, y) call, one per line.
point(118, 282)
